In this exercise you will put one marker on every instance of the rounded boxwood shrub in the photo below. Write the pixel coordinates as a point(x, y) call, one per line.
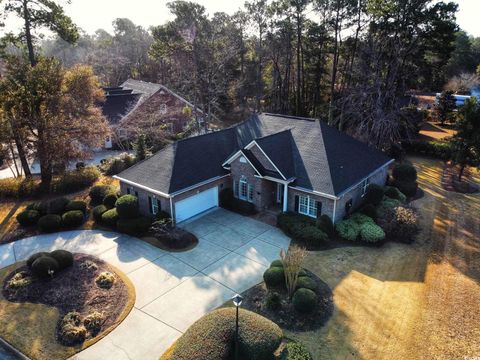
point(77, 205)
point(371, 233)
point(212, 337)
point(296, 351)
point(393, 193)
point(41, 207)
point(109, 200)
point(325, 224)
point(98, 192)
point(57, 206)
point(386, 207)
point(400, 224)
point(277, 263)
point(274, 277)
point(348, 230)
point(45, 266)
point(137, 226)
point(304, 300)
point(369, 210)
point(73, 218)
point(35, 256)
point(110, 217)
point(409, 188)
point(273, 301)
point(374, 194)
point(28, 217)
point(404, 172)
point(361, 219)
point(50, 223)
point(302, 272)
point(64, 258)
point(127, 207)
point(98, 212)
point(306, 282)
point(312, 236)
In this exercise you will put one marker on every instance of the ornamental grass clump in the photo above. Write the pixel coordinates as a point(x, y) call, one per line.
point(71, 330)
point(105, 280)
point(19, 280)
point(93, 322)
point(292, 264)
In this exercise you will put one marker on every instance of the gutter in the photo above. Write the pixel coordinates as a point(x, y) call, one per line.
point(141, 186)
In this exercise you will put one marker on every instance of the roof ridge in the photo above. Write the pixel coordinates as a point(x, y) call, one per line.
point(274, 134)
point(291, 117)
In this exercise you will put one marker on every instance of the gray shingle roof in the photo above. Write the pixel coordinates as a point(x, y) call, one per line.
point(320, 157)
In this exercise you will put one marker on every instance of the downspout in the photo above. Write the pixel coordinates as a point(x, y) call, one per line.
point(171, 210)
point(334, 210)
point(285, 197)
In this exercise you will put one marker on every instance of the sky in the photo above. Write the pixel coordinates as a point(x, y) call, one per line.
point(91, 15)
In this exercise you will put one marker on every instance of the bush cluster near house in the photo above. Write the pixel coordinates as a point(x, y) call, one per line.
point(405, 179)
point(54, 215)
point(114, 166)
point(228, 201)
point(212, 337)
point(68, 182)
point(313, 233)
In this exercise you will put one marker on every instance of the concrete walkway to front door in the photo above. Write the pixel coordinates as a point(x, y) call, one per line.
point(173, 289)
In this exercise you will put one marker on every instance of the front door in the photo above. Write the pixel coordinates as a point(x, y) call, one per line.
point(280, 194)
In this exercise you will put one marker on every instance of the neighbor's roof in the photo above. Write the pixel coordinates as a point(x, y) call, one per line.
point(318, 156)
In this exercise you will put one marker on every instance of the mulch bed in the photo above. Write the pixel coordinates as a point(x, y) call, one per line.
point(74, 289)
point(177, 240)
point(450, 180)
point(286, 316)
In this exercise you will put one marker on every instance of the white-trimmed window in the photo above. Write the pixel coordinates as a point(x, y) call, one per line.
point(250, 192)
point(163, 109)
point(365, 184)
point(243, 193)
point(307, 206)
point(243, 190)
point(155, 206)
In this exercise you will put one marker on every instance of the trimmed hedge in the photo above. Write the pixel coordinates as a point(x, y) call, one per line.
point(409, 188)
point(57, 206)
point(304, 300)
point(127, 207)
point(97, 193)
point(73, 218)
point(64, 258)
point(310, 235)
point(137, 226)
point(34, 257)
point(325, 224)
point(50, 223)
point(110, 217)
point(75, 180)
point(439, 149)
point(274, 277)
point(374, 194)
point(109, 200)
point(28, 217)
point(98, 211)
point(361, 219)
point(77, 205)
point(371, 233)
point(404, 172)
point(307, 283)
point(292, 221)
point(393, 193)
point(43, 265)
point(277, 263)
point(212, 337)
point(18, 188)
point(369, 210)
point(386, 206)
point(348, 230)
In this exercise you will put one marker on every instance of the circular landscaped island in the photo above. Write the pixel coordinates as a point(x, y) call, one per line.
point(57, 304)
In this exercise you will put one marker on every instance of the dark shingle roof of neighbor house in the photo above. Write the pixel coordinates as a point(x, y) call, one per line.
point(320, 157)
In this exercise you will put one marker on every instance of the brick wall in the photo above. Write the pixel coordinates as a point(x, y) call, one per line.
point(327, 204)
point(267, 164)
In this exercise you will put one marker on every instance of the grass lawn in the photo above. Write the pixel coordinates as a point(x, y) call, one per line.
point(399, 301)
point(10, 209)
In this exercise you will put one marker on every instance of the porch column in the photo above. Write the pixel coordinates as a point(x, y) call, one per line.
point(285, 197)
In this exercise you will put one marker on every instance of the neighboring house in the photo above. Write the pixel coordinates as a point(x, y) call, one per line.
point(138, 107)
point(273, 161)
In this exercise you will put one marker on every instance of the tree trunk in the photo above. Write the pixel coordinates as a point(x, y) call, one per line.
point(298, 109)
point(28, 34)
point(334, 65)
point(460, 173)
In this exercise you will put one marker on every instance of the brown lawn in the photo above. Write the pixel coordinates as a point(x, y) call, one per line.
point(417, 301)
point(433, 131)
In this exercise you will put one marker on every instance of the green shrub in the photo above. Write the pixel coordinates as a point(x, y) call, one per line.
point(348, 230)
point(117, 165)
point(77, 205)
point(41, 207)
point(296, 351)
point(277, 263)
point(105, 280)
point(50, 223)
point(212, 337)
point(274, 277)
point(243, 207)
point(98, 211)
point(439, 149)
point(273, 301)
point(45, 266)
point(18, 188)
point(127, 207)
point(409, 188)
point(371, 233)
point(75, 180)
point(162, 215)
point(306, 282)
point(19, 280)
point(34, 257)
point(386, 207)
point(325, 224)
point(311, 235)
point(400, 224)
point(93, 321)
point(374, 194)
point(226, 198)
point(110, 217)
point(291, 222)
point(71, 331)
point(109, 200)
point(57, 206)
point(404, 172)
point(28, 217)
point(393, 193)
point(361, 219)
point(369, 210)
point(302, 273)
point(97, 193)
point(64, 258)
point(304, 300)
point(137, 226)
point(73, 218)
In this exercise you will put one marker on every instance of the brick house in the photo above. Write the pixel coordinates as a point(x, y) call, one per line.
point(273, 161)
point(137, 106)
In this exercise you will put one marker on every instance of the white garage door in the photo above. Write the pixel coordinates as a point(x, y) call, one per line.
point(196, 204)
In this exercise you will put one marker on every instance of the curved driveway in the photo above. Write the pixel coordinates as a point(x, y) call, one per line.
point(173, 289)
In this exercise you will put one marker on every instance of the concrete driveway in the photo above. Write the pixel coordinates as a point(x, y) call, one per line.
point(173, 289)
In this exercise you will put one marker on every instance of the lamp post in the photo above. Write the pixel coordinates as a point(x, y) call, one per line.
point(237, 301)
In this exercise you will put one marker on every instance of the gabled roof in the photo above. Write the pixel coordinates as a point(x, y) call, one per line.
point(318, 156)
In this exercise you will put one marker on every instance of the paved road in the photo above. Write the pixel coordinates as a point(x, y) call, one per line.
point(173, 290)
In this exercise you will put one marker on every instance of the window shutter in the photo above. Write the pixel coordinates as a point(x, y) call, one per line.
point(318, 205)
point(159, 204)
point(235, 188)
point(297, 202)
point(150, 205)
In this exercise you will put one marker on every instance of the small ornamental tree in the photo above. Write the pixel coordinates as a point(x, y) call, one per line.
point(292, 264)
point(142, 151)
point(445, 105)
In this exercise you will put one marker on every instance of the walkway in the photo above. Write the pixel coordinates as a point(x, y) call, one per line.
point(173, 289)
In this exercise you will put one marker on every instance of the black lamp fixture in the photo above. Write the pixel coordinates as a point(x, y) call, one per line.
point(237, 301)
